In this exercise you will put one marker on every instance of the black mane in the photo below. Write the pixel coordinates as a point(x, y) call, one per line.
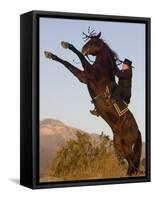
point(113, 54)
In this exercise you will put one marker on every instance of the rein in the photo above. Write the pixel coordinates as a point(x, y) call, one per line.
point(89, 59)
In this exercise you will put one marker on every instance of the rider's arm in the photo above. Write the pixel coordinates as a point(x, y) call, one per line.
point(123, 74)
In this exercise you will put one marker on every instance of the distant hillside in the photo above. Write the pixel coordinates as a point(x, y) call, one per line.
point(54, 135)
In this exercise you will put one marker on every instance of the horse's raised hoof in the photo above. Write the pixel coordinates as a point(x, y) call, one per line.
point(65, 45)
point(49, 55)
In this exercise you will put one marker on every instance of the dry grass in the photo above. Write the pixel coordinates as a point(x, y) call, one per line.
point(82, 160)
point(79, 160)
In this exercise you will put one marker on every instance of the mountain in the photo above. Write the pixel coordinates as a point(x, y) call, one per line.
point(53, 135)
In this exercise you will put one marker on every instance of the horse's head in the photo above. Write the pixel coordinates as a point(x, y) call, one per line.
point(96, 46)
point(93, 46)
point(105, 56)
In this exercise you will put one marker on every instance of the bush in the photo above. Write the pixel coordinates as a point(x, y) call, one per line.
point(80, 159)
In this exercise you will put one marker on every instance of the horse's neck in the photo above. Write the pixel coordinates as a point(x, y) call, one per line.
point(99, 59)
point(106, 65)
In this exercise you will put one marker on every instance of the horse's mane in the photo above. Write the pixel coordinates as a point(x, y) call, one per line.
point(113, 54)
point(92, 34)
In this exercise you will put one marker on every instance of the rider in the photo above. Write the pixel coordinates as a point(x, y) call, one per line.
point(122, 92)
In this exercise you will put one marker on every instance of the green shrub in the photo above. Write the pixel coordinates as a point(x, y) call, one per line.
point(81, 159)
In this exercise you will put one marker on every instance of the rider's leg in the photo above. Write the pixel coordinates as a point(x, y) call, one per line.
point(127, 95)
point(116, 94)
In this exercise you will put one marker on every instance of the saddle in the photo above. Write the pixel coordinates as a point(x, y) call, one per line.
point(121, 107)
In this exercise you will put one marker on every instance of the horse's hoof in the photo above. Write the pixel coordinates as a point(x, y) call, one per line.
point(49, 55)
point(65, 44)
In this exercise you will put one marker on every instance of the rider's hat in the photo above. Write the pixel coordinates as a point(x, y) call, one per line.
point(128, 62)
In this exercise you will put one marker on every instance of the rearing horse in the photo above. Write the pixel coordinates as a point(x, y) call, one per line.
point(127, 137)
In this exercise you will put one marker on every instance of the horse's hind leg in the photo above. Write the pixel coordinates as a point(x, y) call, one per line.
point(129, 157)
point(119, 149)
point(137, 151)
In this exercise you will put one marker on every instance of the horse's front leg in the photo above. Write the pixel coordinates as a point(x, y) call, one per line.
point(75, 71)
point(86, 65)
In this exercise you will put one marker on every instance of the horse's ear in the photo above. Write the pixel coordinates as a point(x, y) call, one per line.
point(99, 35)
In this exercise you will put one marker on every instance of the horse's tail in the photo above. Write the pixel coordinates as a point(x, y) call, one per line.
point(137, 151)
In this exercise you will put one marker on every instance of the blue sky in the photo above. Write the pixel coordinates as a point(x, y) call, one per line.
point(62, 96)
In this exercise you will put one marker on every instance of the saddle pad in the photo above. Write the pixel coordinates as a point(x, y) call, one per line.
point(121, 108)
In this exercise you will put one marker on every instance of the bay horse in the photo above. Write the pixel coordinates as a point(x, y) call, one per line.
point(126, 134)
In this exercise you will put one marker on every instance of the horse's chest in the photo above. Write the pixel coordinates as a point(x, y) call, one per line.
point(97, 87)
point(106, 110)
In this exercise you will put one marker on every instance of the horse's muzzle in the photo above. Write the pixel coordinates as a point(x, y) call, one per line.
point(85, 52)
